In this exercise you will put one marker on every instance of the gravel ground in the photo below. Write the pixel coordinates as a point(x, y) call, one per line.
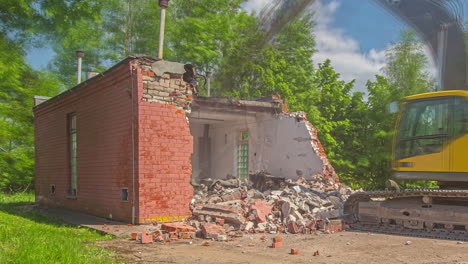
point(343, 247)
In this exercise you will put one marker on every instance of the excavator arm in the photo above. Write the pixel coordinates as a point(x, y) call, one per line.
point(438, 22)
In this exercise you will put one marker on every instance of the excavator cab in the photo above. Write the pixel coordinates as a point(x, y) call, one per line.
point(431, 142)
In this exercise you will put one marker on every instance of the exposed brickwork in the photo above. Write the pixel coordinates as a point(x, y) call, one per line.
point(166, 89)
point(165, 147)
point(103, 111)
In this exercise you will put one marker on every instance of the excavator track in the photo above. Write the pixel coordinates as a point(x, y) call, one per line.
point(428, 213)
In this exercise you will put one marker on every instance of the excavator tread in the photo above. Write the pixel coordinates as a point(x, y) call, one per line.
point(437, 233)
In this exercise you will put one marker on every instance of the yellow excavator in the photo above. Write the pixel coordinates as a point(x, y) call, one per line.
point(431, 139)
point(431, 143)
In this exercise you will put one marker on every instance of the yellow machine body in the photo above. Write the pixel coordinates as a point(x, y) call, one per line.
point(431, 142)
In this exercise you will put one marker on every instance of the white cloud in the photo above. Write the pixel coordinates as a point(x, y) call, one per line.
point(255, 5)
point(334, 44)
point(344, 51)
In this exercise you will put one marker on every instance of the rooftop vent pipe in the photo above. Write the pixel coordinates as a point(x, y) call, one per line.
point(79, 54)
point(163, 4)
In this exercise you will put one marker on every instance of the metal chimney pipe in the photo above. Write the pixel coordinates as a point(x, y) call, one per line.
point(79, 54)
point(163, 4)
point(208, 88)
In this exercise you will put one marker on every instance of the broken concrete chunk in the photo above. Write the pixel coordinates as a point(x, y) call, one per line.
point(270, 204)
point(230, 214)
point(248, 226)
point(329, 214)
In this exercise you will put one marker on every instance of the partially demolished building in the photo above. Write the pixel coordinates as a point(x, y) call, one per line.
point(130, 143)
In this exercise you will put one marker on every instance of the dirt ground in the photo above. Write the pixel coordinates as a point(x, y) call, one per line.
point(343, 247)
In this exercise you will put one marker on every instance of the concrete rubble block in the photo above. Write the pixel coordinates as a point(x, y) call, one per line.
point(261, 210)
point(236, 195)
point(215, 232)
point(254, 194)
point(261, 227)
point(296, 188)
point(297, 215)
point(264, 181)
point(230, 214)
point(248, 226)
point(331, 214)
point(336, 201)
point(291, 219)
point(285, 208)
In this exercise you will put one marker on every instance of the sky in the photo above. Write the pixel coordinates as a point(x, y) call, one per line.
point(353, 34)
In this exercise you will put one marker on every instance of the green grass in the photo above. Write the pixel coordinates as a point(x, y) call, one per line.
point(29, 237)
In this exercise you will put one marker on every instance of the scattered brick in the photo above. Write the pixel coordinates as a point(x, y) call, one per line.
point(294, 251)
point(292, 228)
point(177, 227)
point(277, 245)
point(145, 238)
point(219, 221)
point(212, 231)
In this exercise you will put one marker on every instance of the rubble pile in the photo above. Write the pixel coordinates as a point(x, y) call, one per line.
point(225, 209)
point(270, 204)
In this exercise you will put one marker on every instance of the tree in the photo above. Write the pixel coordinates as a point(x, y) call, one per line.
point(200, 32)
point(18, 84)
point(405, 74)
point(282, 67)
point(341, 123)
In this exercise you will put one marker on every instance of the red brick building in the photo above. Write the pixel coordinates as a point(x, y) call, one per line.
point(120, 144)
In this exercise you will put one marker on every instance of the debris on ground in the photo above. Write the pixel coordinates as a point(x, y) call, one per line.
point(227, 208)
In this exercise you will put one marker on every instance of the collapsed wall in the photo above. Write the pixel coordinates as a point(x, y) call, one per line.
point(233, 142)
point(293, 187)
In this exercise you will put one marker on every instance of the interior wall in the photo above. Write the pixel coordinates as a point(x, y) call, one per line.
point(279, 144)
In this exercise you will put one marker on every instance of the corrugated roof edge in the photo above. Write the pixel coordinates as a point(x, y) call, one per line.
point(78, 86)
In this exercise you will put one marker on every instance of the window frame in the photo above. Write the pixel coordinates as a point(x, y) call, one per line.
point(72, 155)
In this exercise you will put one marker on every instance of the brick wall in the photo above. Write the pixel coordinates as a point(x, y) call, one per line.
point(103, 107)
point(103, 110)
point(165, 146)
point(328, 172)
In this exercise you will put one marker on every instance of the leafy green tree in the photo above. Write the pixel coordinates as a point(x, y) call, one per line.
point(341, 122)
point(200, 32)
point(282, 67)
point(405, 74)
point(18, 84)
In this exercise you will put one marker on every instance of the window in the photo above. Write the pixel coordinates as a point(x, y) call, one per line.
point(460, 116)
point(243, 156)
point(72, 148)
point(124, 194)
point(424, 127)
